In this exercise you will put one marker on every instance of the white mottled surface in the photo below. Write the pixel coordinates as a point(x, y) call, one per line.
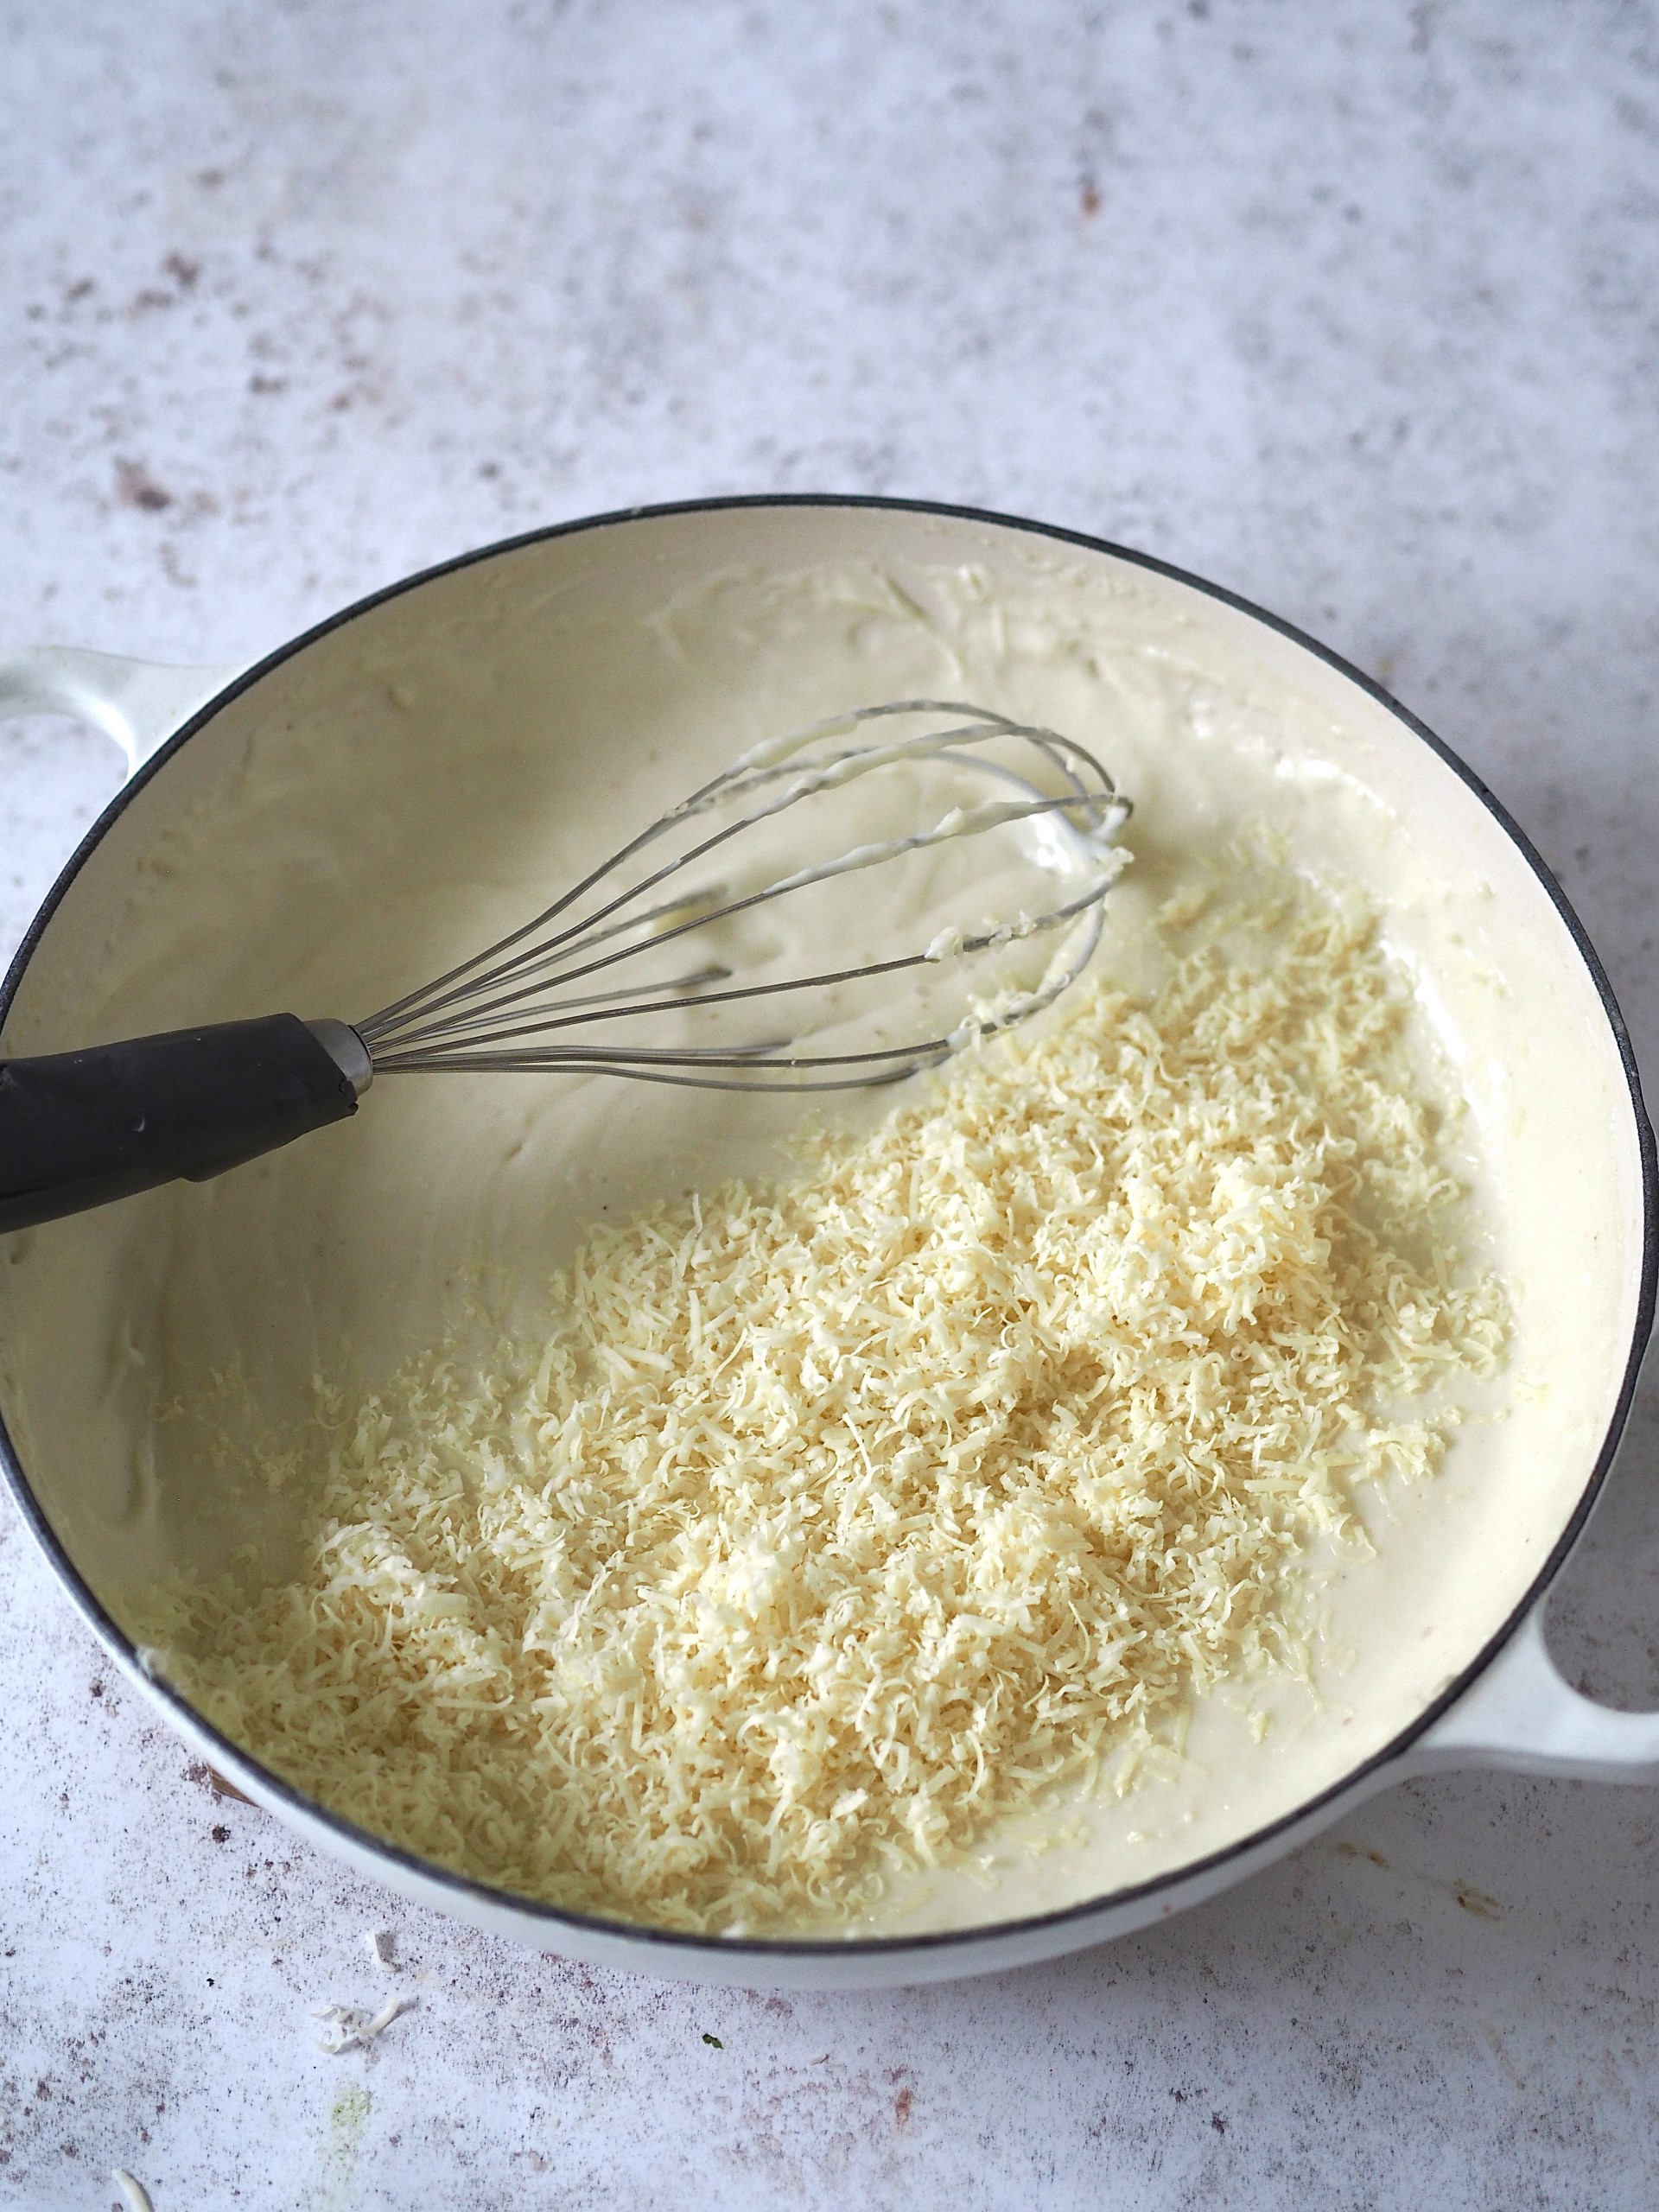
point(1349, 307)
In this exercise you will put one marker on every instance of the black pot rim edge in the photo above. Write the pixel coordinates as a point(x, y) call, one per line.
point(1002, 1933)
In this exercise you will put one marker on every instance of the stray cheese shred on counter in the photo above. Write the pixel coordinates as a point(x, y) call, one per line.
point(834, 1521)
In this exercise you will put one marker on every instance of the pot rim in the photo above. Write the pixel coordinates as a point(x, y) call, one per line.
point(1200, 1870)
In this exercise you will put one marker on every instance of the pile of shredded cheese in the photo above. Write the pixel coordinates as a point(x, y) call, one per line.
point(836, 1520)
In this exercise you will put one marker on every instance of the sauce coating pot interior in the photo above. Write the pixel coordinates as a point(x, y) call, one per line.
point(421, 776)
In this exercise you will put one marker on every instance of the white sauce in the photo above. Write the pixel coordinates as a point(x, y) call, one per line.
point(419, 783)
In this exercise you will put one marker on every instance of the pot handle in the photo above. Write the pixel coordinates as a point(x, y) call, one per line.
point(137, 703)
point(1524, 1715)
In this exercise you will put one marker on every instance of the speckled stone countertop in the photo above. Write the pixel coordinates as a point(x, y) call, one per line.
point(1351, 307)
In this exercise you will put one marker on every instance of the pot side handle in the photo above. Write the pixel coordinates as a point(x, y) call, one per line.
point(137, 703)
point(1522, 1714)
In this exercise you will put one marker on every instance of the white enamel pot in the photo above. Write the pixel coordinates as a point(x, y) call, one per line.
point(271, 812)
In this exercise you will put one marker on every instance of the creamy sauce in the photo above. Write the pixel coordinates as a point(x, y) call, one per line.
point(415, 784)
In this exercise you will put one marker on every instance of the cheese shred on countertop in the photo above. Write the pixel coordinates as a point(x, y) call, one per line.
point(836, 1520)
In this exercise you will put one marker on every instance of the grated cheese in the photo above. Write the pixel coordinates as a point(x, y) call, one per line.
point(836, 1520)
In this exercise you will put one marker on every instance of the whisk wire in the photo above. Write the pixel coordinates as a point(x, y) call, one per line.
point(859, 857)
point(472, 1017)
point(733, 781)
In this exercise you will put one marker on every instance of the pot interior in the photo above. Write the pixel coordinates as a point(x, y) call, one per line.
point(422, 775)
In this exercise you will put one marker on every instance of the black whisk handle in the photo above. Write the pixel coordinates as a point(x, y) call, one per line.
point(79, 1128)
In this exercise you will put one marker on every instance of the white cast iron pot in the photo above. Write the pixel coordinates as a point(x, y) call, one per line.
point(164, 916)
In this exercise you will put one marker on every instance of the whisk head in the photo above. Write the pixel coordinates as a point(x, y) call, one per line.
point(926, 818)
